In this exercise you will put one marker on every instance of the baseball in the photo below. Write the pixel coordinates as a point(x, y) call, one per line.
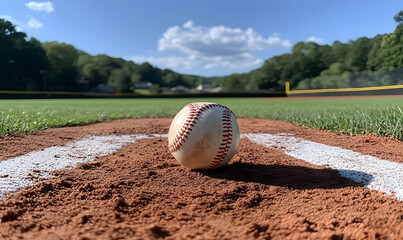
point(204, 135)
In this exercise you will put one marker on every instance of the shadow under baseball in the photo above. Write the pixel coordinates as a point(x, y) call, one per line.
point(296, 177)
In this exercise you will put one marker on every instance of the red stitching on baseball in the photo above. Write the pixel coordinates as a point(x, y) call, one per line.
point(226, 141)
point(195, 111)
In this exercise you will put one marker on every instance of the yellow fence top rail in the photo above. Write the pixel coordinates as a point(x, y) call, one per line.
point(288, 91)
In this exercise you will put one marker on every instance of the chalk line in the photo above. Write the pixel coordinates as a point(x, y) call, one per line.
point(377, 174)
point(374, 173)
point(27, 169)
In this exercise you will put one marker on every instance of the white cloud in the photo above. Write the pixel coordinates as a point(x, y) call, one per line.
point(217, 40)
point(188, 62)
point(40, 6)
point(315, 39)
point(34, 23)
point(8, 18)
point(167, 62)
point(211, 47)
point(14, 21)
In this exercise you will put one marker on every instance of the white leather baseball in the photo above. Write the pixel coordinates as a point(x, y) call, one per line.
point(204, 135)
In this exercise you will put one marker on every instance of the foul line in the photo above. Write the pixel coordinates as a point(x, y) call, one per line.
point(374, 173)
point(28, 169)
point(377, 174)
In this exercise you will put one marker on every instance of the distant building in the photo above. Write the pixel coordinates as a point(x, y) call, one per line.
point(180, 89)
point(204, 87)
point(143, 85)
point(216, 90)
point(103, 88)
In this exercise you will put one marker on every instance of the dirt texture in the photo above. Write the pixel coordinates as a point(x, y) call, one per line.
point(141, 192)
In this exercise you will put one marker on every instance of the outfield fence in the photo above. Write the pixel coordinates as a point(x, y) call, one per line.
point(396, 89)
point(57, 94)
point(383, 82)
point(363, 91)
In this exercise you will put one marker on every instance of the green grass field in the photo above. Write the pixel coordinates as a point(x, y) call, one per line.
point(381, 116)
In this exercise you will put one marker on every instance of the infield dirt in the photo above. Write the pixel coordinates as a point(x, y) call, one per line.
point(141, 192)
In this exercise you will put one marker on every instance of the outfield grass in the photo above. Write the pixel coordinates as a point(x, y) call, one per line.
point(381, 116)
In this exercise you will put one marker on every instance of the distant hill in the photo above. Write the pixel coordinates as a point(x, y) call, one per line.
point(27, 64)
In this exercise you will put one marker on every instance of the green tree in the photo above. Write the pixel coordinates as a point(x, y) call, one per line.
point(357, 56)
point(62, 73)
point(374, 55)
point(120, 80)
point(335, 69)
point(233, 81)
point(392, 49)
point(131, 71)
point(306, 62)
point(21, 60)
point(340, 51)
point(156, 89)
point(35, 63)
point(326, 55)
point(172, 79)
point(149, 73)
point(399, 17)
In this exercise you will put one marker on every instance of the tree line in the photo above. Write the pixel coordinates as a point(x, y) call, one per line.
point(359, 63)
point(28, 64)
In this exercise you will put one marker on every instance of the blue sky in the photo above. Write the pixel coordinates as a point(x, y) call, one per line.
point(203, 37)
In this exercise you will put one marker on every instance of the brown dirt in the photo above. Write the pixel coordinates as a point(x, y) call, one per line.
point(141, 192)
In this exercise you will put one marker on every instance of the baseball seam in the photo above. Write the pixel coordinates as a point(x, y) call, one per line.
point(191, 121)
point(226, 141)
